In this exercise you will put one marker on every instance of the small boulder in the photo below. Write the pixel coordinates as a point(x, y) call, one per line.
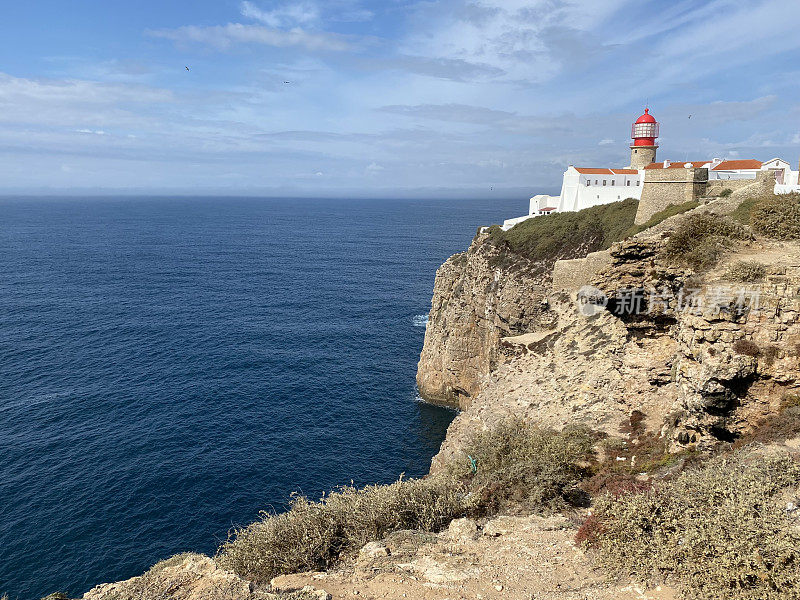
point(373, 550)
point(462, 530)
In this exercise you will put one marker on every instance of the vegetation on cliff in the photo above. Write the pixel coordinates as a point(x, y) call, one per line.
point(670, 211)
point(315, 535)
point(531, 468)
point(701, 239)
point(568, 234)
point(777, 217)
point(719, 531)
point(524, 468)
point(772, 216)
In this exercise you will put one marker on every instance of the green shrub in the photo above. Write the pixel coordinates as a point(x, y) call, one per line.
point(746, 271)
point(777, 217)
point(700, 240)
point(742, 212)
point(718, 532)
point(314, 535)
point(670, 211)
point(568, 234)
point(725, 193)
point(521, 466)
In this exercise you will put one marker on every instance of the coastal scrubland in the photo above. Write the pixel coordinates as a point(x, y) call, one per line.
point(514, 466)
point(562, 234)
point(722, 530)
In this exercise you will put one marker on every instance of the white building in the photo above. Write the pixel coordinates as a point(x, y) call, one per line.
point(584, 187)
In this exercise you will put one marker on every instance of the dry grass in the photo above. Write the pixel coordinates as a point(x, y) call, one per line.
point(719, 531)
point(523, 467)
point(701, 240)
point(314, 535)
point(746, 271)
point(777, 217)
point(514, 464)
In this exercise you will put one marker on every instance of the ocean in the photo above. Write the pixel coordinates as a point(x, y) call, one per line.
point(171, 366)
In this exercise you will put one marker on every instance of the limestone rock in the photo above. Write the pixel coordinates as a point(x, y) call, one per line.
point(479, 297)
point(373, 550)
point(462, 530)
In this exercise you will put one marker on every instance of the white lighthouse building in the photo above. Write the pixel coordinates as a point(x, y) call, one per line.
point(584, 187)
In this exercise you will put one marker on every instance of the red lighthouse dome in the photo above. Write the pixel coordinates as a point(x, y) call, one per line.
point(644, 130)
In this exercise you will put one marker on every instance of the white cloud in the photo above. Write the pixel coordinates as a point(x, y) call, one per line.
point(288, 15)
point(605, 142)
point(225, 36)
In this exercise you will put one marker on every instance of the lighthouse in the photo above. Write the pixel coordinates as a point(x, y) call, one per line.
point(644, 132)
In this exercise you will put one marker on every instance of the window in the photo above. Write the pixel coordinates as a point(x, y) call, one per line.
point(604, 181)
point(612, 182)
point(637, 182)
point(588, 182)
point(595, 181)
point(628, 183)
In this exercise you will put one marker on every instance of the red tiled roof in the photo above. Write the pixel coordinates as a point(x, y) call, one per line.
point(592, 171)
point(679, 165)
point(547, 209)
point(588, 171)
point(735, 165)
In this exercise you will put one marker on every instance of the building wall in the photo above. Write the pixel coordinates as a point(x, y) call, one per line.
point(576, 195)
point(541, 201)
point(744, 174)
point(641, 156)
point(665, 187)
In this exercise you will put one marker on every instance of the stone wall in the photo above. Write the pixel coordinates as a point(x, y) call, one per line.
point(572, 275)
point(715, 186)
point(665, 187)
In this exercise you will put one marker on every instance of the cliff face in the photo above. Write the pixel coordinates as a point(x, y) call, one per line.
point(701, 375)
point(497, 289)
point(479, 297)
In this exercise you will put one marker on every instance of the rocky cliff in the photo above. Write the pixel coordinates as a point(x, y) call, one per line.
point(498, 288)
point(702, 355)
point(479, 296)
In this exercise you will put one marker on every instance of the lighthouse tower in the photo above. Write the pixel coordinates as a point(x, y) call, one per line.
point(644, 133)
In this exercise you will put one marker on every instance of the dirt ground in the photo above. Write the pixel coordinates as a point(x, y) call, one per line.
point(523, 558)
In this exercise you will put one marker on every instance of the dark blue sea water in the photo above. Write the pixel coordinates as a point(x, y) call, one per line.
point(169, 367)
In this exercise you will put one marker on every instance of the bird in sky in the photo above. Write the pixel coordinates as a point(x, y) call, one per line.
point(187, 68)
point(287, 82)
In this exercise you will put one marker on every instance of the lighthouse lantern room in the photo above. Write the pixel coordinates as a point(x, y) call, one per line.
point(644, 132)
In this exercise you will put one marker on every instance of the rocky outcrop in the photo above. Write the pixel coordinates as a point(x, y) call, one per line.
point(506, 557)
point(193, 577)
point(589, 370)
point(704, 358)
point(479, 297)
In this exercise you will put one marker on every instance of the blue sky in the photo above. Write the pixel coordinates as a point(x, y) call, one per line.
point(390, 98)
